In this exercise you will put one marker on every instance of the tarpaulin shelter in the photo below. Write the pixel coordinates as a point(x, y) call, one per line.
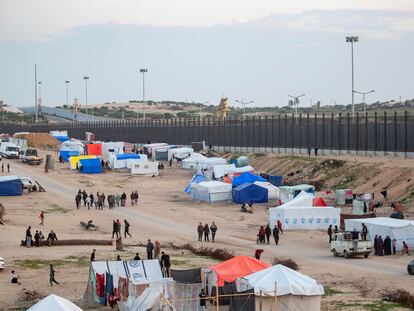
point(54, 303)
point(160, 153)
point(208, 163)
point(10, 186)
point(287, 193)
point(272, 191)
point(61, 136)
point(231, 269)
point(294, 290)
point(73, 161)
point(398, 229)
point(190, 163)
point(94, 149)
point(71, 148)
point(249, 192)
point(240, 170)
point(246, 177)
point(318, 201)
point(276, 180)
point(67, 154)
point(195, 180)
point(220, 170)
point(118, 161)
point(113, 147)
point(343, 196)
point(145, 168)
point(90, 166)
point(180, 153)
point(211, 191)
point(189, 276)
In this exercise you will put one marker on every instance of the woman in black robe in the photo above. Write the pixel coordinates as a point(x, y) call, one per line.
point(387, 246)
point(376, 245)
point(380, 246)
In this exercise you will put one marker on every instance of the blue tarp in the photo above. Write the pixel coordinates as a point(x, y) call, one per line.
point(90, 166)
point(249, 192)
point(195, 180)
point(67, 154)
point(246, 177)
point(10, 185)
point(125, 156)
point(276, 180)
point(62, 138)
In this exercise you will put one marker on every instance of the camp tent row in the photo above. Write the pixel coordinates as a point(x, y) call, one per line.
point(10, 185)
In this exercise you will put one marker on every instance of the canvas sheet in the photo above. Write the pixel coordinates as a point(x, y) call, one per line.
point(180, 153)
point(222, 169)
point(145, 168)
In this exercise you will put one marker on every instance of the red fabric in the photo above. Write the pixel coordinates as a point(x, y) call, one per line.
point(237, 267)
point(100, 285)
point(318, 201)
point(94, 149)
point(112, 299)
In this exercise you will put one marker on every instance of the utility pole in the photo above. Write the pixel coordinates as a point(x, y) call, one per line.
point(296, 101)
point(143, 71)
point(86, 78)
point(67, 93)
point(244, 106)
point(39, 101)
point(352, 40)
point(363, 98)
point(36, 112)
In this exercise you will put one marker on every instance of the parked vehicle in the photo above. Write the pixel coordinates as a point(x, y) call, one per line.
point(9, 150)
point(343, 245)
point(410, 267)
point(2, 264)
point(30, 156)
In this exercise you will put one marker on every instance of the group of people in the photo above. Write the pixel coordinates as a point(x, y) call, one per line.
point(386, 247)
point(38, 238)
point(116, 229)
point(100, 200)
point(205, 231)
point(263, 237)
point(15, 279)
point(7, 166)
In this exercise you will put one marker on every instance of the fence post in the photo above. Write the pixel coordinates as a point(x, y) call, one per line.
point(348, 132)
point(316, 132)
point(300, 133)
point(357, 133)
point(375, 133)
point(366, 133)
point(278, 134)
point(385, 133)
point(293, 133)
point(339, 133)
point(405, 133)
point(395, 133)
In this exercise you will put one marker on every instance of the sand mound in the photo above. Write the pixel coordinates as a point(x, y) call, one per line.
point(42, 141)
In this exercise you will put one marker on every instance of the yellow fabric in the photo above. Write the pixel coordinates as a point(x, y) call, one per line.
point(73, 161)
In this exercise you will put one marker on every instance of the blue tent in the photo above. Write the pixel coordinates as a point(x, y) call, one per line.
point(10, 185)
point(249, 192)
point(276, 180)
point(62, 138)
point(125, 156)
point(195, 180)
point(66, 154)
point(246, 177)
point(90, 166)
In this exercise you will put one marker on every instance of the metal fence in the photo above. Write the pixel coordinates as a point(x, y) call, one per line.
point(336, 132)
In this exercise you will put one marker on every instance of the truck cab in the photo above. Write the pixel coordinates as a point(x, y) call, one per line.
point(343, 245)
point(9, 150)
point(30, 156)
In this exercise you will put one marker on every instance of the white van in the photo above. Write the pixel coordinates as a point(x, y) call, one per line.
point(9, 150)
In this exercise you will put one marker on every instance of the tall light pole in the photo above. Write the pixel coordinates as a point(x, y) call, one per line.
point(143, 71)
point(39, 101)
point(244, 106)
point(352, 40)
point(296, 101)
point(67, 93)
point(36, 93)
point(86, 78)
point(363, 98)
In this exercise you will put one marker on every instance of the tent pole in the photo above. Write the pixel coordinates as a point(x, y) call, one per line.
point(260, 303)
point(275, 296)
point(217, 298)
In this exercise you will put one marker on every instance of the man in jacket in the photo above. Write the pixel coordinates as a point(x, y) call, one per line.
point(268, 232)
point(150, 249)
point(200, 230)
point(165, 264)
point(213, 229)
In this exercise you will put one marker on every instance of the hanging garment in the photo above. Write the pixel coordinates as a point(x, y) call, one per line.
point(100, 285)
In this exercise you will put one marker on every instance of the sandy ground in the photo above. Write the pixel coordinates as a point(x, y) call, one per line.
point(163, 213)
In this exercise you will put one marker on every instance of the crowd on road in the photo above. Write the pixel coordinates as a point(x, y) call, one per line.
point(263, 237)
point(99, 201)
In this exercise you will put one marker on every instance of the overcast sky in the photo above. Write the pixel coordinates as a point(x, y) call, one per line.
point(197, 50)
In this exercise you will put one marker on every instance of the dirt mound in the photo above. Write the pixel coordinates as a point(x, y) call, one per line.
point(42, 141)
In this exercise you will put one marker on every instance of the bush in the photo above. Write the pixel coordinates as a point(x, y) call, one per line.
point(290, 263)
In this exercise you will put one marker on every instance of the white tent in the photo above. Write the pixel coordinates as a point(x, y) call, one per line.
point(272, 190)
point(220, 170)
point(146, 168)
point(301, 200)
point(294, 290)
point(241, 170)
point(191, 162)
point(143, 158)
point(54, 303)
point(180, 153)
point(211, 191)
point(287, 193)
point(109, 148)
point(207, 164)
point(401, 230)
point(72, 145)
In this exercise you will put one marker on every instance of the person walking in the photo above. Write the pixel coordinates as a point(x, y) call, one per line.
point(213, 229)
point(78, 199)
point(117, 199)
point(93, 255)
point(268, 232)
point(276, 235)
point(206, 230)
point(279, 226)
point(28, 237)
point(405, 249)
point(200, 230)
point(103, 200)
point(92, 200)
point(136, 197)
point(46, 169)
point(330, 233)
point(8, 167)
point(52, 273)
point(97, 200)
point(115, 229)
point(132, 197)
point(165, 264)
point(118, 227)
point(37, 239)
point(123, 199)
point(258, 253)
point(262, 235)
point(42, 218)
point(157, 250)
point(84, 197)
point(150, 249)
point(126, 228)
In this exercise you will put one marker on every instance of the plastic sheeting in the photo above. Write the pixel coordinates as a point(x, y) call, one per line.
point(195, 180)
point(94, 149)
point(190, 276)
point(10, 186)
point(287, 193)
point(90, 166)
point(248, 192)
point(211, 191)
point(223, 169)
point(191, 162)
point(145, 168)
point(180, 153)
point(54, 303)
point(272, 191)
point(73, 161)
point(247, 177)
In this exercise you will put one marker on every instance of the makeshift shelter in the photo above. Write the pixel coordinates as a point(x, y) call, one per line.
point(71, 148)
point(189, 276)
point(190, 163)
point(54, 303)
point(240, 170)
point(179, 153)
point(160, 153)
point(149, 148)
point(146, 168)
point(272, 191)
point(90, 166)
point(94, 149)
point(293, 290)
point(249, 192)
point(398, 229)
point(74, 160)
point(275, 180)
point(230, 270)
point(344, 196)
point(211, 191)
point(222, 169)
point(318, 201)
point(143, 158)
point(246, 177)
point(119, 161)
point(195, 180)
point(287, 193)
point(203, 164)
point(61, 136)
point(10, 186)
point(112, 147)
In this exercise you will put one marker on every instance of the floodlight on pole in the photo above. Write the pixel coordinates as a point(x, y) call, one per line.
point(352, 40)
point(363, 98)
point(244, 106)
point(296, 101)
point(143, 71)
point(86, 78)
point(67, 93)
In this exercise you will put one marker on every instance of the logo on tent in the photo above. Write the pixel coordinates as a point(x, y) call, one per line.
point(311, 220)
point(135, 263)
point(137, 275)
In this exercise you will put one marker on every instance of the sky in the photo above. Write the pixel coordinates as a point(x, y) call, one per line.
point(196, 50)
